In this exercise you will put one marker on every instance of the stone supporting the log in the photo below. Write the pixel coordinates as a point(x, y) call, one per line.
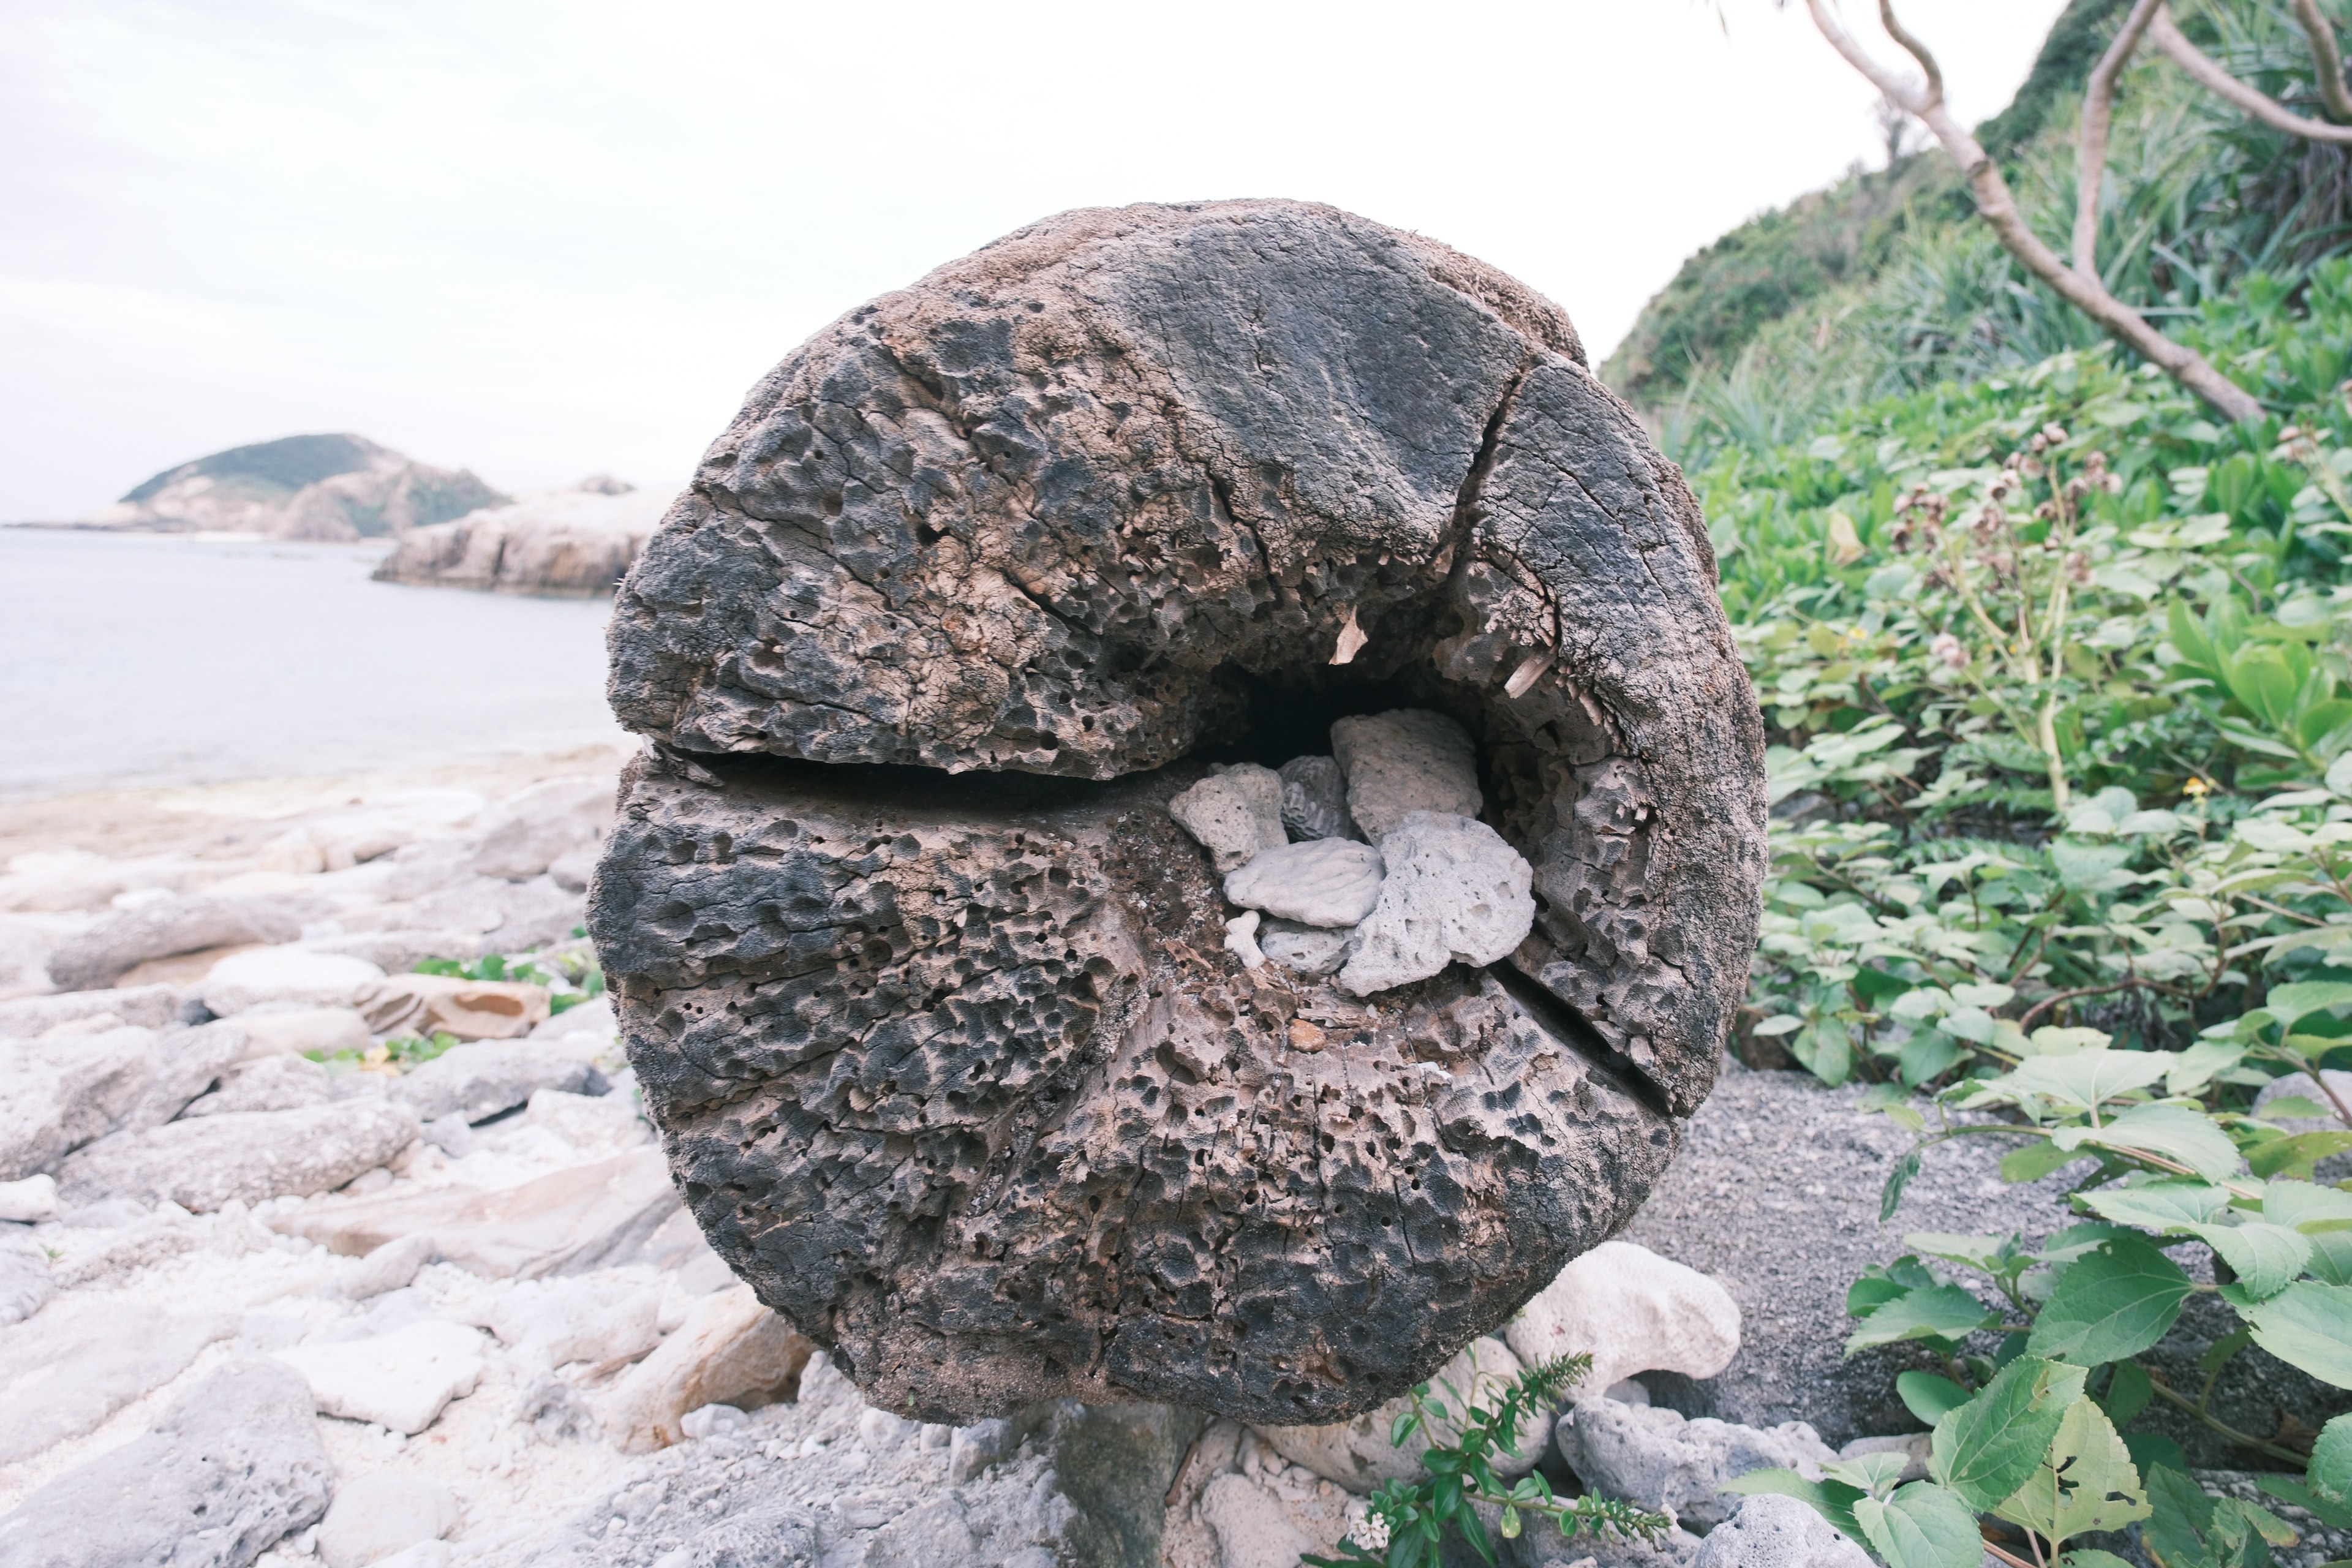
point(932, 996)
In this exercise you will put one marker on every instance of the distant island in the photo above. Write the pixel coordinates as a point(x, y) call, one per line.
point(328, 488)
point(447, 527)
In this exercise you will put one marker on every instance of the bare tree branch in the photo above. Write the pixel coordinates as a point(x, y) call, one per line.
point(2166, 36)
point(2327, 62)
point(2080, 289)
point(2091, 146)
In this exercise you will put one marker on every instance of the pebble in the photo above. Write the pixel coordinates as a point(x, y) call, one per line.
point(1330, 882)
point(1405, 760)
point(1235, 814)
point(1455, 892)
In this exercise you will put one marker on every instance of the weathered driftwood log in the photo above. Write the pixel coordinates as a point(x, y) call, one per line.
point(949, 1058)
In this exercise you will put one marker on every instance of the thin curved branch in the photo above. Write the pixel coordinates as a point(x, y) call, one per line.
point(2091, 146)
point(2327, 64)
point(1998, 208)
point(1917, 50)
point(2167, 36)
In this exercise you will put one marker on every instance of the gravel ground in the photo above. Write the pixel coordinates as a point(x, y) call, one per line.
point(1776, 1194)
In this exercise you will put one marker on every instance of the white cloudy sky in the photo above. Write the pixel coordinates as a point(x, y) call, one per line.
point(544, 238)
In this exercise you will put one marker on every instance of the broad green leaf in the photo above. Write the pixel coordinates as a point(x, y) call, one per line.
point(2330, 1475)
point(2294, 1156)
point(1927, 1396)
point(2291, 1004)
point(2195, 1067)
point(2091, 1557)
point(1940, 1312)
point(1993, 994)
point(2129, 1388)
point(2308, 1207)
point(2086, 1079)
point(2081, 866)
point(2298, 1494)
point(2078, 1241)
point(2265, 1257)
point(1989, 1447)
point(2158, 1205)
point(2174, 1132)
point(1890, 1196)
point(1874, 1473)
point(1921, 1526)
point(2180, 1516)
point(2113, 1304)
point(2086, 1482)
point(2331, 1256)
point(2050, 1040)
point(2034, 1161)
point(1833, 1501)
point(1973, 1025)
point(2307, 1325)
point(1984, 1252)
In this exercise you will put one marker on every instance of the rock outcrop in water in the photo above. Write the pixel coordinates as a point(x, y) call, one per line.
point(953, 1061)
point(301, 487)
point(579, 541)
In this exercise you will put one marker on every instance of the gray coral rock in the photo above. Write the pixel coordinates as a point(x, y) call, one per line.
point(1774, 1531)
point(76, 1085)
point(950, 1063)
point(1237, 814)
point(236, 1465)
point(1319, 882)
point(1315, 799)
point(1405, 761)
point(1656, 1458)
point(1311, 951)
point(265, 1083)
point(1455, 891)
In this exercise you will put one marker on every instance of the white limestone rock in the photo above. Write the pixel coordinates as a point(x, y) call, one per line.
point(246, 980)
point(477, 1081)
point(1328, 882)
point(593, 1319)
point(1405, 760)
point(1454, 891)
point(1770, 1530)
point(1632, 1312)
point(83, 1081)
point(401, 1380)
point(234, 1465)
point(1251, 1529)
point(731, 1349)
point(1315, 799)
point(243, 1156)
point(1240, 938)
point(1358, 1455)
point(526, 833)
point(148, 1006)
point(76, 1361)
point(391, 1266)
point(1652, 1456)
point(378, 1514)
point(1304, 950)
point(276, 1029)
point(1237, 814)
point(265, 1083)
point(25, 1283)
point(29, 1200)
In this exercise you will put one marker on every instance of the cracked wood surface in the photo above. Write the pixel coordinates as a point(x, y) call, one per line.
point(1087, 503)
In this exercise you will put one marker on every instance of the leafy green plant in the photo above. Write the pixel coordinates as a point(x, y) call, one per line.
point(395, 1054)
point(2033, 1434)
point(570, 977)
point(1406, 1523)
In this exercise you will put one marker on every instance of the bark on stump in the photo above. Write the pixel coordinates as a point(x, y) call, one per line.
point(924, 987)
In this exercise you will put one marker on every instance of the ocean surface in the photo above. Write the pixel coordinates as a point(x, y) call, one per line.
point(129, 660)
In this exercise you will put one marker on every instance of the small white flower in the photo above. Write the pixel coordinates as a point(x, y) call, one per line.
point(1367, 1529)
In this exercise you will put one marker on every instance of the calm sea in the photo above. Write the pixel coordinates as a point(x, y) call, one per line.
point(131, 660)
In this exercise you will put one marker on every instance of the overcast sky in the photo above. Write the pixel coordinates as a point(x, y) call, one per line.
point(542, 239)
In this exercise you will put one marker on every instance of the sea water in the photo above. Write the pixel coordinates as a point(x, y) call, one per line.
point(134, 661)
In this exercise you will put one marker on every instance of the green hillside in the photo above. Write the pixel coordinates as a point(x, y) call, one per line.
point(1885, 282)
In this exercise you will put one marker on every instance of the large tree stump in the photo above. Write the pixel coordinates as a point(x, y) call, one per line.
point(925, 988)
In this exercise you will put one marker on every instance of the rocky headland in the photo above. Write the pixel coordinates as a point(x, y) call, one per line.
point(579, 541)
